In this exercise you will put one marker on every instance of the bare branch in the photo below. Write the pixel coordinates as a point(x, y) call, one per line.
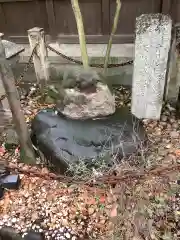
point(80, 27)
point(116, 18)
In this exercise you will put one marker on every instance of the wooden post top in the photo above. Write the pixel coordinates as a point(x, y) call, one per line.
point(35, 30)
point(1, 35)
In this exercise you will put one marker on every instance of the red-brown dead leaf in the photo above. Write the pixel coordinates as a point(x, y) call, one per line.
point(113, 212)
point(102, 199)
point(2, 151)
point(91, 201)
point(177, 152)
point(5, 202)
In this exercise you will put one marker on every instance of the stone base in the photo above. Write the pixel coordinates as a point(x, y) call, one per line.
point(65, 141)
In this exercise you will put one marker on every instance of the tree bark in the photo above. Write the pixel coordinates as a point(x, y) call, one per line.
point(8, 80)
point(80, 27)
point(114, 28)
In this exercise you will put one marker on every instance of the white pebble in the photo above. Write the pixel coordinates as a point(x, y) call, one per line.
point(61, 230)
point(68, 235)
point(13, 220)
point(9, 224)
point(62, 238)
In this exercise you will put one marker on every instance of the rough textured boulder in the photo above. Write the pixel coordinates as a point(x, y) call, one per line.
point(64, 141)
point(85, 96)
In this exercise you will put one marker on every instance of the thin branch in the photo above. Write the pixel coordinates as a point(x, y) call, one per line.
point(114, 28)
point(80, 27)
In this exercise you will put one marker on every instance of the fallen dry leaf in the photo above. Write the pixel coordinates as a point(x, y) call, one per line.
point(2, 151)
point(113, 212)
point(102, 199)
point(91, 201)
point(177, 152)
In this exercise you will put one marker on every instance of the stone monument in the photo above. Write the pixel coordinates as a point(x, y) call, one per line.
point(152, 45)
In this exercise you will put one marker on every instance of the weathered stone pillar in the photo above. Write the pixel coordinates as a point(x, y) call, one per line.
point(40, 59)
point(152, 45)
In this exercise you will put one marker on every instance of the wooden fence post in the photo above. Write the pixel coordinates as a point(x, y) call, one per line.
point(7, 78)
point(4, 105)
point(41, 65)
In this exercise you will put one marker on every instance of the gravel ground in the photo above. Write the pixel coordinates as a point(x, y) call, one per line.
point(53, 208)
point(63, 212)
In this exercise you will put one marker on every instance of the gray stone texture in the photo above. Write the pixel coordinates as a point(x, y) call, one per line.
point(152, 45)
point(65, 141)
point(86, 96)
point(12, 49)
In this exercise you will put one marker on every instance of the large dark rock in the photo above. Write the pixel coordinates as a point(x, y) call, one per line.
point(34, 236)
point(9, 233)
point(64, 141)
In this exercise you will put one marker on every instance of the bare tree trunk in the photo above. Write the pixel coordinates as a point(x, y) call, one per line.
point(7, 78)
point(116, 18)
point(80, 27)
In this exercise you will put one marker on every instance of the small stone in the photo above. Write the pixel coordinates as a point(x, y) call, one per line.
point(172, 120)
point(30, 103)
point(22, 97)
point(34, 216)
point(175, 125)
point(163, 124)
point(67, 235)
point(91, 211)
point(64, 222)
point(13, 220)
point(164, 118)
point(27, 112)
point(102, 221)
point(169, 146)
point(174, 134)
point(61, 230)
point(158, 132)
point(9, 224)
